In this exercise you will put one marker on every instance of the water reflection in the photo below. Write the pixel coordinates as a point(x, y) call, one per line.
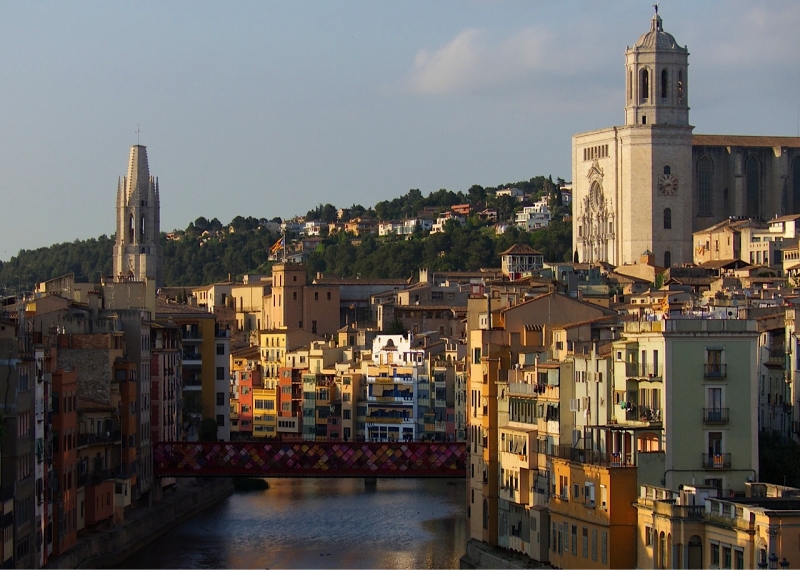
point(322, 523)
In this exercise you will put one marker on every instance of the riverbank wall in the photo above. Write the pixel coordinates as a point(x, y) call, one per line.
point(480, 555)
point(103, 548)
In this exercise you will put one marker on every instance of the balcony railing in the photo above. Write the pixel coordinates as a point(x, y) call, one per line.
point(715, 371)
point(642, 414)
point(716, 461)
point(592, 457)
point(715, 416)
point(85, 439)
point(644, 370)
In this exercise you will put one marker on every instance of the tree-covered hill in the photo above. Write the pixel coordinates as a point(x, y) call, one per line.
point(208, 251)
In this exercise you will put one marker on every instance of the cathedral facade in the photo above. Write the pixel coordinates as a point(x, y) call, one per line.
point(137, 251)
point(647, 185)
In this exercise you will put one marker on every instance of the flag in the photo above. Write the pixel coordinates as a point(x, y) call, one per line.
point(278, 245)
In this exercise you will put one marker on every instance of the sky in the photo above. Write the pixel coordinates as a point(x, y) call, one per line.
point(264, 109)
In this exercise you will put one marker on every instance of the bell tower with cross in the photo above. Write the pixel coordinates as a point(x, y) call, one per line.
point(137, 251)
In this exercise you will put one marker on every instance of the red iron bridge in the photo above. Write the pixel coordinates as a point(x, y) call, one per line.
point(309, 459)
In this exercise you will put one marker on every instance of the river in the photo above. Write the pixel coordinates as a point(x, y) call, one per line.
point(322, 523)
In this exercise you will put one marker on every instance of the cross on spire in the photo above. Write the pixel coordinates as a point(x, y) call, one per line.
point(138, 132)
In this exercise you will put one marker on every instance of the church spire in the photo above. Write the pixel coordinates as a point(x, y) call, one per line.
point(137, 251)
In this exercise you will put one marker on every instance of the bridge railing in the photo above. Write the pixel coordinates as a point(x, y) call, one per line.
point(310, 459)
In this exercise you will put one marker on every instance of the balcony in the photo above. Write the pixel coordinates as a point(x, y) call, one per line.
point(98, 476)
point(716, 461)
point(592, 457)
point(636, 413)
point(191, 358)
point(85, 439)
point(718, 371)
point(776, 357)
point(644, 370)
point(715, 416)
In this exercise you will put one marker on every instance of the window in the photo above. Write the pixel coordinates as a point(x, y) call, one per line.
point(753, 178)
point(664, 91)
point(604, 547)
point(316, 295)
point(715, 554)
point(588, 493)
point(585, 542)
point(630, 85)
point(726, 556)
point(220, 398)
point(739, 558)
point(294, 296)
point(644, 87)
point(221, 349)
point(220, 420)
point(346, 414)
point(680, 86)
point(648, 536)
point(329, 295)
point(667, 219)
point(667, 259)
point(220, 373)
point(574, 540)
point(594, 544)
point(705, 170)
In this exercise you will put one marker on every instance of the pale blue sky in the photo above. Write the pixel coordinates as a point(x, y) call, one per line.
point(269, 108)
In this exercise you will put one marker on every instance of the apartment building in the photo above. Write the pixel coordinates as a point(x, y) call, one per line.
point(205, 367)
point(687, 389)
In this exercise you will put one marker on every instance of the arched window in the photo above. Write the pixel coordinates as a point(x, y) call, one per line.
point(667, 219)
point(141, 227)
point(131, 228)
point(753, 177)
point(630, 85)
point(667, 170)
point(680, 86)
point(667, 259)
point(664, 89)
point(796, 185)
point(644, 87)
point(705, 168)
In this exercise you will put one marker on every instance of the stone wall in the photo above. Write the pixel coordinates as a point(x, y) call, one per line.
point(481, 555)
point(109, 547)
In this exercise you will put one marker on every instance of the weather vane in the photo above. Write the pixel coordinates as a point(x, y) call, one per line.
point(138, 132)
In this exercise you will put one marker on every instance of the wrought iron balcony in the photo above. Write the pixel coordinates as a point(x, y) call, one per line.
point(715, 416)
point(716, 461)
point(715, 371)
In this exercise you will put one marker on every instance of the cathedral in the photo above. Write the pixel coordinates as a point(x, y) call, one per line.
point(137, 251)
point(646, 186)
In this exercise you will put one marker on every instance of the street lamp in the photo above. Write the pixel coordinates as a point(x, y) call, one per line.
point(773, 562)
point(784, 563)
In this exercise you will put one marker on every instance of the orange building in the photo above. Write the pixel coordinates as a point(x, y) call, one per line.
point(591, 508)
point(65, 472)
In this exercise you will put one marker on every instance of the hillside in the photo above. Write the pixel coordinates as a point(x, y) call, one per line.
point(208, 251)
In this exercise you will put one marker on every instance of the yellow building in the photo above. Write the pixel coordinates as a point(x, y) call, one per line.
point(273, 345)
point(204, 374)
point(265, 412)
point(293, 304)
point(591, 509)
point(694, 528)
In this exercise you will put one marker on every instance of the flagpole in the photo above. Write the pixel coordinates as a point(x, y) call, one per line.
point(283, 240)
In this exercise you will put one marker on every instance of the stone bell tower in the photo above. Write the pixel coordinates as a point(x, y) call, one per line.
point(137, 251)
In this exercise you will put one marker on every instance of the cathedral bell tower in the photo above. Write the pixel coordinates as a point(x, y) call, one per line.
point(137, 251)
point(657, 79)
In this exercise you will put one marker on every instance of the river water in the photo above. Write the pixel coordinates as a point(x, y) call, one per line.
point(322, 523)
